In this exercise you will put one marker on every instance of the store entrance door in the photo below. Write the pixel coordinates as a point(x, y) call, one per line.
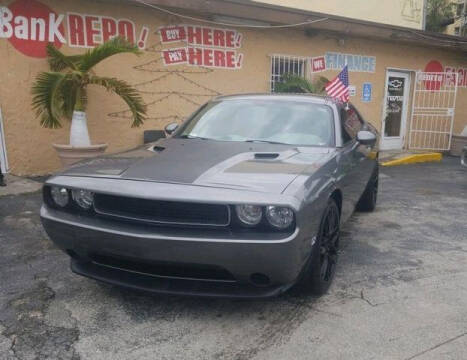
point(395, 109)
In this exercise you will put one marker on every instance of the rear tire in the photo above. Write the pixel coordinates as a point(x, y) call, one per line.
point(320, 269)
point(367, 202)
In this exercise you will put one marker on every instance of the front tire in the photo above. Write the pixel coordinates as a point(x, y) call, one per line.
point(320, 269)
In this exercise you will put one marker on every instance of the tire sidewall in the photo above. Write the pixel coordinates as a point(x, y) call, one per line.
point(312, 276)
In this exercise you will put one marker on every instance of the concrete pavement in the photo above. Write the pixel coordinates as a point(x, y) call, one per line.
point(400, 292)
point(19, 185)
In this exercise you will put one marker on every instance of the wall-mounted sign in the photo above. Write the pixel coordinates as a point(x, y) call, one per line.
point(205, 46)
point(434, 81)
point(356, 63)
point(431, 79)
point(461, 76)
point(366, 92)
point(30, 25)
point(318, 64)
point(352, 90)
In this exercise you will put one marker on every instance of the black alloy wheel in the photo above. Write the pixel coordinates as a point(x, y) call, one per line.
point(321, 267)
point(329, 244)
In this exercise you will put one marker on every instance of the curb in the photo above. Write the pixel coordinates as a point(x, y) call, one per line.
point(413, 159)
point(19, 185)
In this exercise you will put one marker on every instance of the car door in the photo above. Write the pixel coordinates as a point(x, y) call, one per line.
point(363, 154)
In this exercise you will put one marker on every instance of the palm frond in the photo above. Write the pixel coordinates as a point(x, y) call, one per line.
point(68, 91)
point(59, 61)
point(47, 98)
point(291, 83)
point(129, 94)
point(114, 46)
point(320, 85)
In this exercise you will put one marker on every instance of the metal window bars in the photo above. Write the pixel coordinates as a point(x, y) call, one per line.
point(286, 64)
point(433, 110)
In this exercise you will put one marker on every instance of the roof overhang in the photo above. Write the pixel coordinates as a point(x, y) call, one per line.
point(340, 27)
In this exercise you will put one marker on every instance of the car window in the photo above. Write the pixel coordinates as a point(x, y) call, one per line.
point(288, 122)
point(351, 124)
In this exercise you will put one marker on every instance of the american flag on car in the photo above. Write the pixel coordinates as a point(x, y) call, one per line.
point(339, 87)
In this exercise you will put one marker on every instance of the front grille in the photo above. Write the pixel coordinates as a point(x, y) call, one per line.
point(165, 269)
point(162, 212)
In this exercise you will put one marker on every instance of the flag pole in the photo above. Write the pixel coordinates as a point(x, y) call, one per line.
point(347, 108)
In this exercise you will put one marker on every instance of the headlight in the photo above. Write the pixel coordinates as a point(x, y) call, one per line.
point(279, 217)
point(83, 198)
point(59, 195)
point(249, 214)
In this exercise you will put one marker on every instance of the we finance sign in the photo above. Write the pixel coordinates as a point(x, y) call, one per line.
point(30, 25)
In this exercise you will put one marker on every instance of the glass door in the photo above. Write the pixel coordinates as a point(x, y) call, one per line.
point(395, 110)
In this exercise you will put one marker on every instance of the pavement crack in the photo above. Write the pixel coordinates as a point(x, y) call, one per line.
point(25, 324)
point(437, 346)
point(362, 296)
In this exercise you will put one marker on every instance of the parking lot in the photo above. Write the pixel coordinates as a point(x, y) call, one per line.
point(400, 291)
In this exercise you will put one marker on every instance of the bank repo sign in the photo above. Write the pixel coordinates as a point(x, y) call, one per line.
point(30, 25)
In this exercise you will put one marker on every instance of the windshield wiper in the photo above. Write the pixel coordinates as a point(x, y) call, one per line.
point(265, 141)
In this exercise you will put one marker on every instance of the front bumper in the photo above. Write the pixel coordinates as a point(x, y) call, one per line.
point(279, 259)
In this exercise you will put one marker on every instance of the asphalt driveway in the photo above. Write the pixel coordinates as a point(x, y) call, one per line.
point(400, 292)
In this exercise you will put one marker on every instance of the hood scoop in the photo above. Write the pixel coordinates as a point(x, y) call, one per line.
point(266, 156)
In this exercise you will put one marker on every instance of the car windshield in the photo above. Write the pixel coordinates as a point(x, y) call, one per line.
point(275, 121)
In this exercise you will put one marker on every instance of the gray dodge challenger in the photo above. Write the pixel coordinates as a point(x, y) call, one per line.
point(244, 199)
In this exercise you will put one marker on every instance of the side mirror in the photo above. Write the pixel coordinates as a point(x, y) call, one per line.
point(365, 137)
point(170, 129)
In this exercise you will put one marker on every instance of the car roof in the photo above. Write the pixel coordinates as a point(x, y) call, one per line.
point(313, 98)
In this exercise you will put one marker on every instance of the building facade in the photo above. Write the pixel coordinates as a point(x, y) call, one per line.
point(406, 13)
point(186, 62)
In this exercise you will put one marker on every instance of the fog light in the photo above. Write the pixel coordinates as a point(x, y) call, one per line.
point(279, 217)
point(249, 214)
point(83, 198)
point(59, 195)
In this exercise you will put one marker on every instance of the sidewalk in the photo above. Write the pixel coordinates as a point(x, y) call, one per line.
point(19, 185)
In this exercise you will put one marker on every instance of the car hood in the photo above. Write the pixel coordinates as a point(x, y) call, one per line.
point(236, 165)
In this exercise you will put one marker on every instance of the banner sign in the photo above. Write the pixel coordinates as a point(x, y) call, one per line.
point(30, 25)
point(205, 46)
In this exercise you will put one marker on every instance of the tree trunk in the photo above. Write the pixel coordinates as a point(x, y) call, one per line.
point(79, 135)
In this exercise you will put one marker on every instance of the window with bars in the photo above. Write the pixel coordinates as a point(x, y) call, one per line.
point(286, 64)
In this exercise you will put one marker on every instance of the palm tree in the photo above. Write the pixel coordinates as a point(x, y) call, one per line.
point(439, 14)
point(61, 94)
